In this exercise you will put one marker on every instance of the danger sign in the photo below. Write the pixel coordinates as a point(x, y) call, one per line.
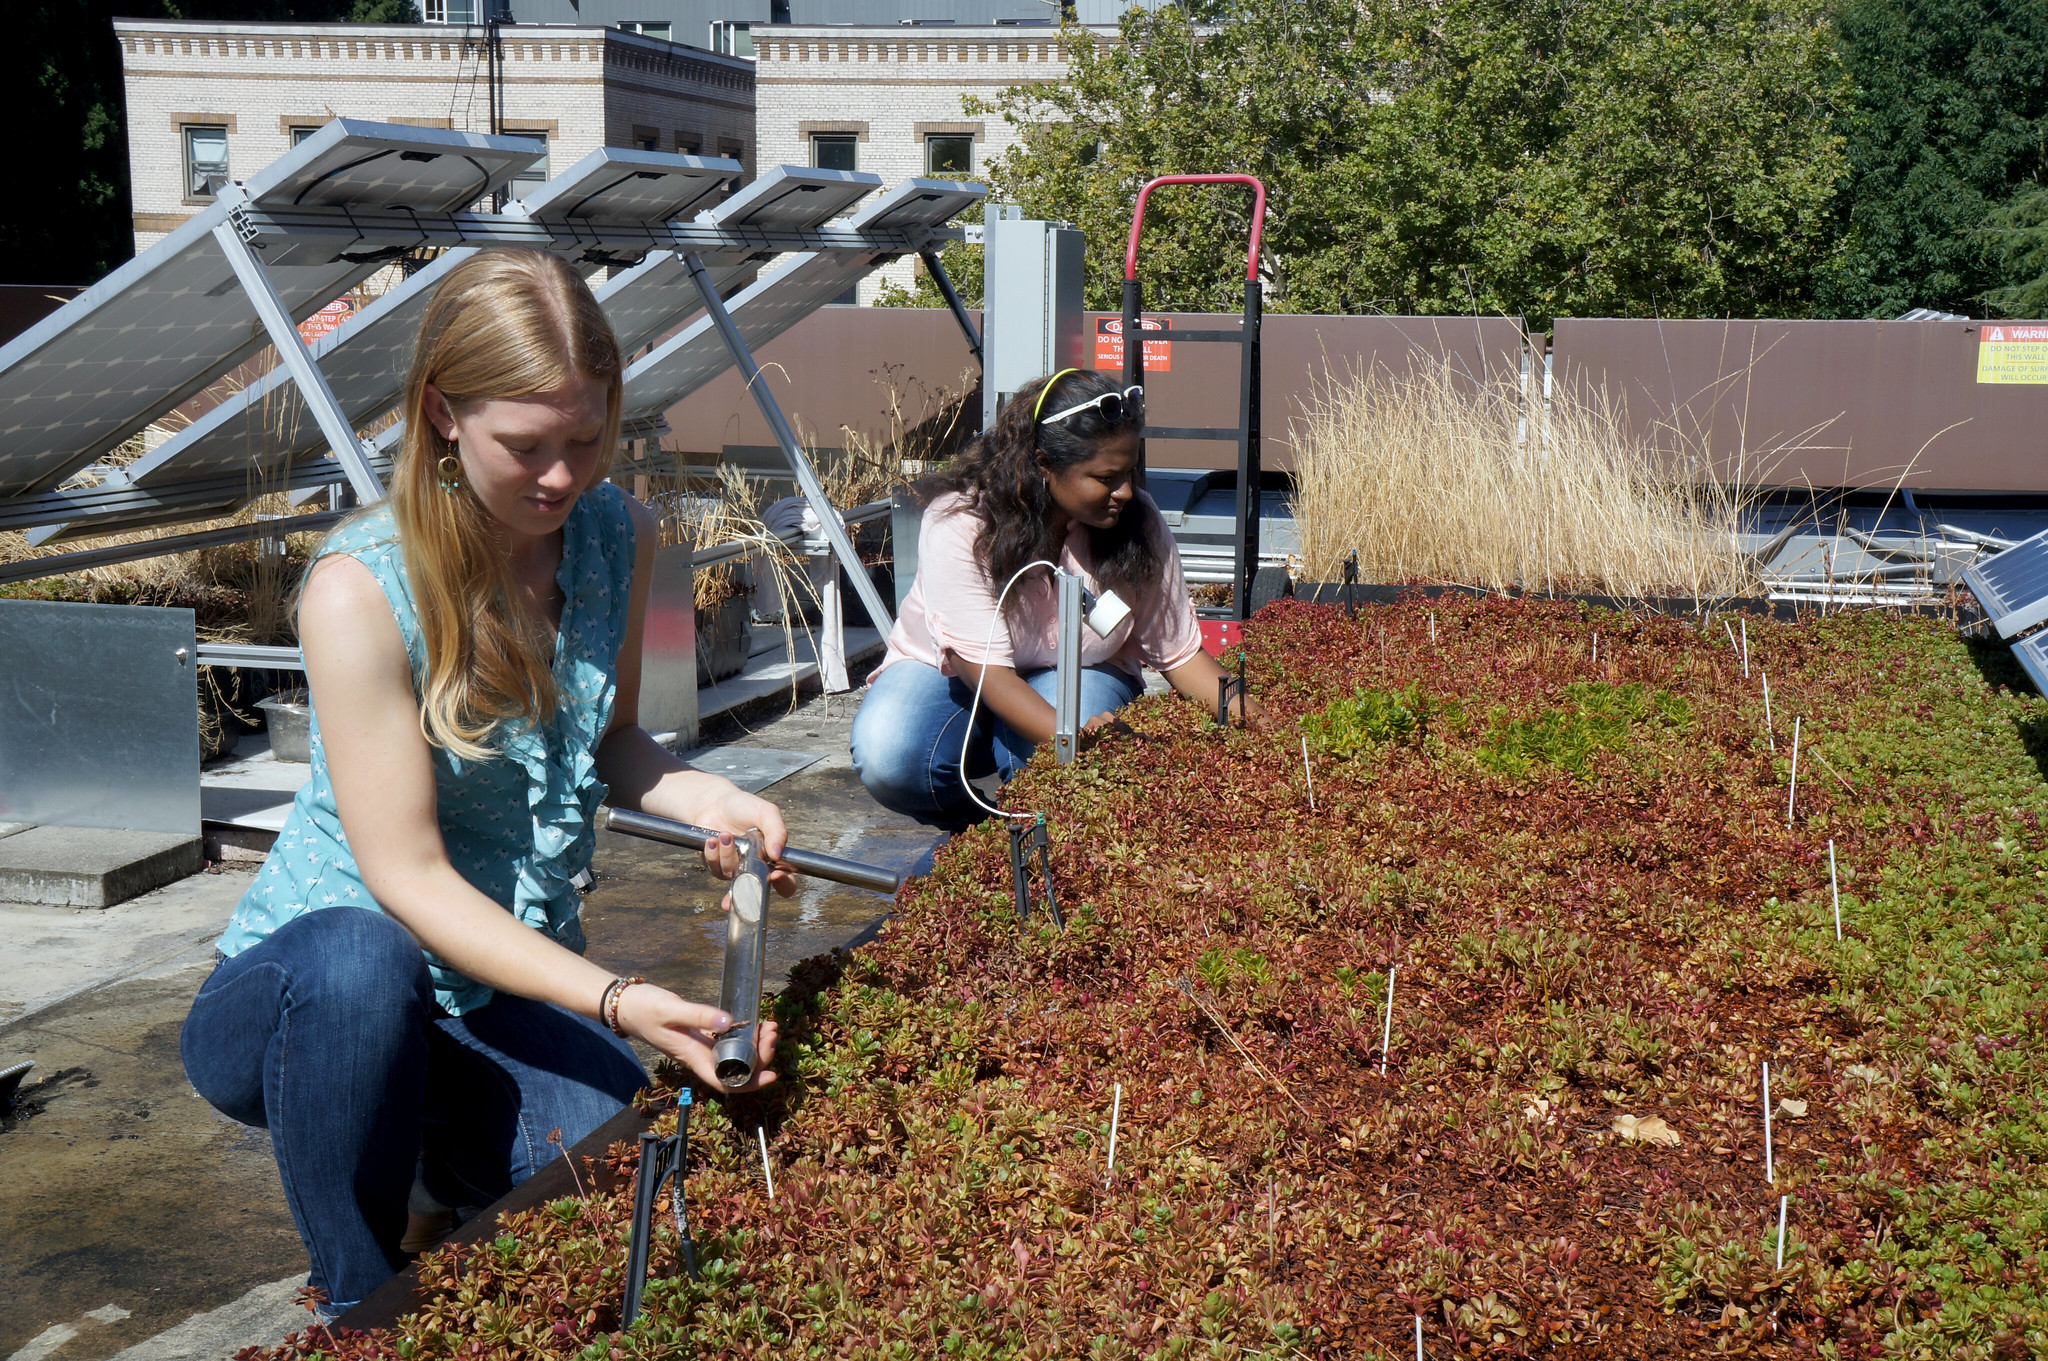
point(1109, 345)
point(326, 320)
point(2013, 354)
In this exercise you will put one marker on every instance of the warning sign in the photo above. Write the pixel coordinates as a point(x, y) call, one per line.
point(1109, 345)
point(326, 320)
point(2013, 354)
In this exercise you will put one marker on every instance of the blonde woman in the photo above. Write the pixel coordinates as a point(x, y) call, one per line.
point(403, 987)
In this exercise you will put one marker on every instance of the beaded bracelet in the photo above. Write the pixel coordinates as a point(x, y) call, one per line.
point(608, 1005)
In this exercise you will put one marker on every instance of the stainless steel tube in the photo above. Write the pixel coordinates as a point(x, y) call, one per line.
point(746, 941)
point(813, 863)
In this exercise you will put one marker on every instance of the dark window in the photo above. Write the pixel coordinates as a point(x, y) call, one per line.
point(948, 153)
point(301, 134)
point(537, 173)
point(835, 151)
point(733, 37)
point(652, 28)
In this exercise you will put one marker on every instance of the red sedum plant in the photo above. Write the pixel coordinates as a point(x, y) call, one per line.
point(1601, 926)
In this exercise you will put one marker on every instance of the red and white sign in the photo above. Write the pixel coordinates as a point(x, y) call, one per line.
point(326, 320)
point(1109, 345)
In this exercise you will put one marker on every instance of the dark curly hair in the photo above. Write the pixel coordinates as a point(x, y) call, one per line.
point(1002, 474)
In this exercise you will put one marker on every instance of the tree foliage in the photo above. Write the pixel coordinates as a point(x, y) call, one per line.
point(1534, 157)
point(1948, 126)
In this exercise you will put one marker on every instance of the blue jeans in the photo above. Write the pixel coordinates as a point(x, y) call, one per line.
point(907, 736)
point(326, 1034)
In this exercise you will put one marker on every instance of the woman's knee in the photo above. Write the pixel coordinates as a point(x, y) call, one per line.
point(359, 954)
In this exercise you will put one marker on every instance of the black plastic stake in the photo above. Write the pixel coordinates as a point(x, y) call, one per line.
point(1350, 580)
point(659, 1159)
point(1021, 850)
point(1043, 844)
point(1223, 701)
point(1244, 711)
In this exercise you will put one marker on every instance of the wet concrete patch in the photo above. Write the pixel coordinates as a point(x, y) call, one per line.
point(120, 1186)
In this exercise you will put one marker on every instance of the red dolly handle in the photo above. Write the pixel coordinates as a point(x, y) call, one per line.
point(1251, 262)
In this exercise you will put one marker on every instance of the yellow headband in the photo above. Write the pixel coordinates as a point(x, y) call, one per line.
point(1046, 391)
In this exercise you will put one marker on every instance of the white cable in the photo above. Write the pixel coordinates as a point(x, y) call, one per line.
point(972, 709)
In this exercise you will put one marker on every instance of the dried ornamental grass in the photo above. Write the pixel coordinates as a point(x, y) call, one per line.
point(1434, 475)
point(1597, 944)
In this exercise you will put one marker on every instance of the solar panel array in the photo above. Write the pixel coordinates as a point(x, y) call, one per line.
point(266, 428)
point(164, 325)
point(342, 205)
point(2013, 585)
point(792, 291)
point(2032, 652)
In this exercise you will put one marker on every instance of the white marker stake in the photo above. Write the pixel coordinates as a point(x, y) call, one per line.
point(1770, 1170)
point(1596, 649)
point(1731, 635)
point(1432, 628)
point(1308, 774)
point(1834, 889)
point(1745, 649)
point(1387, 1037)
point(1116, 1109)
point(761, 1131)
point(1418, 1337)
point(1768, 725)
point(1792, 792)
point(1781, 1233)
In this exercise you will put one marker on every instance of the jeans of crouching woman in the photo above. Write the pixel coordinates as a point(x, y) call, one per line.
point(327, 1035)
point(907, 736)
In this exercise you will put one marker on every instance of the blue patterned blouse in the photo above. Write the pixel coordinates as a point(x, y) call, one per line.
point(519, 827)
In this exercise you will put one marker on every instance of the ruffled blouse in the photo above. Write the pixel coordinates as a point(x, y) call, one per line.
point(520, 827)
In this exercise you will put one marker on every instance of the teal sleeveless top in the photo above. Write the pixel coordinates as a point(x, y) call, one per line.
point(520, 827)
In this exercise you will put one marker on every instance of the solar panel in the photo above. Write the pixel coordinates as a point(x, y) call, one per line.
point(784, 296)
point(267, 426)
point(2013, 585)
point(2032, 652)
point(162, 326)
point(794, 196)
point(632, 186)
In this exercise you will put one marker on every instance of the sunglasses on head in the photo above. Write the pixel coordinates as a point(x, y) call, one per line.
point(1116, 407)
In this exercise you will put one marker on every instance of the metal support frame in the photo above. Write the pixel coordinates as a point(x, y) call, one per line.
point(349, 451)
point(952, 297)
point(785, 438)
point(1066, 728)
point(56, 565)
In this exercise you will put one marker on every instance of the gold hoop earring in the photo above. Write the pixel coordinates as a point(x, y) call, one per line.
point(450, 468)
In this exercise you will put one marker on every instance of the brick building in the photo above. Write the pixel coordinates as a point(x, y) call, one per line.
point(888, 99)
point(211, 102)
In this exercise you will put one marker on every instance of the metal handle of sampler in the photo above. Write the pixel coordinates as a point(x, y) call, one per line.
point(746, 941)
point(814, 863)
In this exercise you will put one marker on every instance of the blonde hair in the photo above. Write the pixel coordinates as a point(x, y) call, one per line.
point(504, 323)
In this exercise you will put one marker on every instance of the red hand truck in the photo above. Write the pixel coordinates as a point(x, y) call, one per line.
point(1245, 545)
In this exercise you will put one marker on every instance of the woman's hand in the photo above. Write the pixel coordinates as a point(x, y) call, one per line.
point(686, 1031)
point(1101, 726)
point(734, 813)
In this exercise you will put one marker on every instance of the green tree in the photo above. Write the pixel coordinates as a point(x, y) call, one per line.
point(1533, 157)
point(1949, 123)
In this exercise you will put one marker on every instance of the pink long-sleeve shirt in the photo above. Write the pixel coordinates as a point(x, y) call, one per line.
point(952, 605)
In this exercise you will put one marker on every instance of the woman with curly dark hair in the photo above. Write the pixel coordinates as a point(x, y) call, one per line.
point(1051, 481)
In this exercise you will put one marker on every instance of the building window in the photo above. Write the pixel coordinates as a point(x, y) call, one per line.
point(537, 173)
point(835, 151)
point(449, 11)
point(300, 134)
point(649, 28)
point(949, 153)
point(733, 37)
point(206, 159)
